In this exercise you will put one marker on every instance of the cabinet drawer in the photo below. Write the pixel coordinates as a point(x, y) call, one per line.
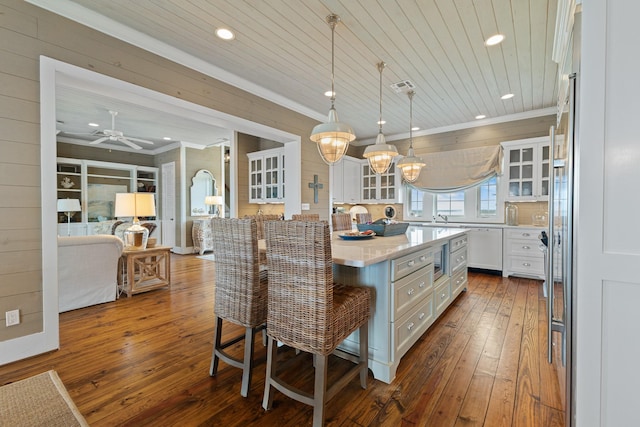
point(442, 296)
point(523, 234)
point(403, 266)
point(526, 248)
point(528, 266)
point(458, 260)
point(458, 243)
point(413, 325)
point(458, 282)
point(411, 289)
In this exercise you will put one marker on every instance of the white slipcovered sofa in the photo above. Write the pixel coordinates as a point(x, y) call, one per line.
point(87, 270)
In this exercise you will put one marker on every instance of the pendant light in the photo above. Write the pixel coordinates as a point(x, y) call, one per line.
point(380, 154)
point(332, 137)
point(411, 165)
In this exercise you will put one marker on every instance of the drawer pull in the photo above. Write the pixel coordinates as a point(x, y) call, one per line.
point(411, 263)
point(526, 247)
point(410, 326)
point(526, 264)
point(411, 291)
point(526, 234)
point(421, 316)
point(444, 295)
point(422, 258)
point(422, 284)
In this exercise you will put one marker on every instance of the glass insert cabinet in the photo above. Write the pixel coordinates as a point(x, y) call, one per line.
point(266, 176)
point(526, 169)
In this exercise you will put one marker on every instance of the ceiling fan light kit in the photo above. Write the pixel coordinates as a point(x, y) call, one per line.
point(333, 137)
point(380, 155)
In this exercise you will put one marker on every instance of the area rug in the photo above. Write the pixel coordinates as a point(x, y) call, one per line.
point(210, 257)
point(41, 400)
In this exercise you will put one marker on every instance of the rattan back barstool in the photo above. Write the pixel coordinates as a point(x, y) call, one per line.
point(309, 312)
point(240, 292)
point(341, 221)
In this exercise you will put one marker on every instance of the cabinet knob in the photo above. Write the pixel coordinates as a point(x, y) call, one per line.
point(526, 247)
point(443, 296)
point(421, 316)
point(422, 284)
point(422, 258)
point(526, 264)
point(411, 291)
point(410, 326)
point(411, 263)
point(526, 234)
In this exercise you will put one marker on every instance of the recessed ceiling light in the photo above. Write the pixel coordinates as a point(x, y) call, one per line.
point(494, 40)
point(225, 34)
point(329, 93)
point(415, 128)
point(480, 116)
point(94, 125)
point(507, 96)
point(166, 138)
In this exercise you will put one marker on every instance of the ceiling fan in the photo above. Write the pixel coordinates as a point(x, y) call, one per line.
point(118, 136)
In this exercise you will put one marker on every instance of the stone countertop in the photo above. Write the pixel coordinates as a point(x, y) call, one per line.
point(364, 252)
point(474, 225)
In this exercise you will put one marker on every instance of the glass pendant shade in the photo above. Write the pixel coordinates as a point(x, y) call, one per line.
point(380, 154)
point(411, 165)
point(332, 137)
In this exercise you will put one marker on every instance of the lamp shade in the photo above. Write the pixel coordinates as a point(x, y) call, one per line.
point(135, 204)
point(68, 205)
point(213, 200)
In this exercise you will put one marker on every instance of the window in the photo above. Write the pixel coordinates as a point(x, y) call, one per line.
point(415, 202)
point(488, 198)
point(450, 204)
point(480, 203)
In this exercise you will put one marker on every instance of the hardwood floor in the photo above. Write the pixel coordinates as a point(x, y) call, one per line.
point(145, 361)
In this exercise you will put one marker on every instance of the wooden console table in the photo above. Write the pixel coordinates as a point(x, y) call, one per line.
point(144, 270)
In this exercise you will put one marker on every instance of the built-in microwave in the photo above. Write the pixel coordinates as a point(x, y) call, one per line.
point(440, 260)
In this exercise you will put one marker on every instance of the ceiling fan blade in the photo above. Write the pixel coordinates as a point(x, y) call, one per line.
point(99, 140)
point(144, 141)
point(129, 143)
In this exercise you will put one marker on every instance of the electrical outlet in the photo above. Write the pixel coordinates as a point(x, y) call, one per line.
point(12, 317)
point(305, 207)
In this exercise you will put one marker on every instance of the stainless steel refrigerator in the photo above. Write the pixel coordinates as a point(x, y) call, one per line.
point(560, 281)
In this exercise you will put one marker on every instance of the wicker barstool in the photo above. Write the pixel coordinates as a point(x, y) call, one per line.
point(341, 221)
point(308, 311)
point(240, 291)
point(363, 218)
point(305, 217)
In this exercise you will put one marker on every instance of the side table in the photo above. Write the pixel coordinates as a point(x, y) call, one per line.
point(144, 270)
point(202, 235)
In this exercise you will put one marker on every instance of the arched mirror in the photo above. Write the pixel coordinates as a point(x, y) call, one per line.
point(203, 184)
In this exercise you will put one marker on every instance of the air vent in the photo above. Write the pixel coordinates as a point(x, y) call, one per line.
point(403, 86)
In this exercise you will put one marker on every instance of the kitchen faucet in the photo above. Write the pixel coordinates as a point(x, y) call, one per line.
point(444, 218)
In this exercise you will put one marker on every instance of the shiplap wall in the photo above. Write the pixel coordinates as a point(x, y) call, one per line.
point(26, 32)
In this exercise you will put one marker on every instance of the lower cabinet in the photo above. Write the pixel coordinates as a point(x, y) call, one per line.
point(522, 254)
point(202, 235)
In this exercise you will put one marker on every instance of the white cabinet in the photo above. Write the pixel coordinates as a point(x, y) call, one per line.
point(383, 188)
point(345, 181)
point(95, 184)
point(202, 235)
point(485, 248)
point(266, 176)
point(522, 254)
point(526, 169)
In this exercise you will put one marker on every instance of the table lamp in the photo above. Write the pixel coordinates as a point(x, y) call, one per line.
point(68, 206)
point(135, 205)
point(214, 201)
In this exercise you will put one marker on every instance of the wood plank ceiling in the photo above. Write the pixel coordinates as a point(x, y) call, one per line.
point(282, 50)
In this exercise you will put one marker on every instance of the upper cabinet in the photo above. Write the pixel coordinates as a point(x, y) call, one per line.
point(383, 188)
point(526, 169)
point(345, 181)
point(266, 176)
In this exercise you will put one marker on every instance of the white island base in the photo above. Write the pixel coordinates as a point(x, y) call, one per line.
point(406, 300)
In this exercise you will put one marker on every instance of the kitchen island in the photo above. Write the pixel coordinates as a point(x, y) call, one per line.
point(407, 297)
